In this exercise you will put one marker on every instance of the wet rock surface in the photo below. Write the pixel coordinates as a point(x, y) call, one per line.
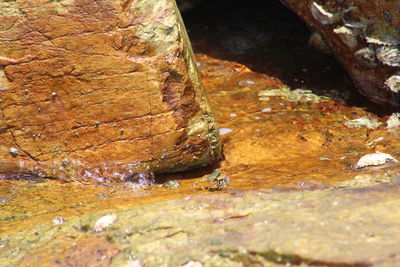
point(352, 224)
point(295, 197)
point(364, 36)
point(99, 90)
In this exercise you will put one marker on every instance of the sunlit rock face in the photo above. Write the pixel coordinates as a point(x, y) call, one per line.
point(95, 89)
point(365, 37)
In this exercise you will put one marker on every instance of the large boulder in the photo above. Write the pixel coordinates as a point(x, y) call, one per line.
point(365, 37)
point(99, 89)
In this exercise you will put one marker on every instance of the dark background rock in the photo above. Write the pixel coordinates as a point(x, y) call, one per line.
point(185, 5)
point(365, 38)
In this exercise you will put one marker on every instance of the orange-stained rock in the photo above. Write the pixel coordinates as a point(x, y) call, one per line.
point(365, 37)
point(93, 89)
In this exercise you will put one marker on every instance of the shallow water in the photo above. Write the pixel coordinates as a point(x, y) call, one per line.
point(273, 141)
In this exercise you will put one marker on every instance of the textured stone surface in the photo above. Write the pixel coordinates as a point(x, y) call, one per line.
point(98, 88)
point(353, 224)
point(364, 36)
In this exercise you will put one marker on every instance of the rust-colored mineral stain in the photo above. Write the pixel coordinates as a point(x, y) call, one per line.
point(267, 143)
point(273, 143)
point(83, 84)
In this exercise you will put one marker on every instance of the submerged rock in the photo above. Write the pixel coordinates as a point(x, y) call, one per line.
point(364, 121)
point(291, 95)
point(98, 89)
point(364, 36)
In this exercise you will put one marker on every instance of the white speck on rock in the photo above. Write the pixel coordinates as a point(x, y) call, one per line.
point(134, 263)
point(347, 35)
point(233, 115)
point(393, 83)
point(14, 152)
point(104, 222)
point(393, 121)
point(388, 55)
point(364, 121)
point(321, 15)
point(374, 159)
point(192, 264)
point(266, 109)
point(58, 221)
point(223, 131)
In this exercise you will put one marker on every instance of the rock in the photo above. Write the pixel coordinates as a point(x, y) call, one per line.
point(317, 40)
point(374, 159)
point(364, 121)
point(393, 82)
point(100, 89)
point(104, 222)
point(393, 121)
point(365, 38)
point(352, 224)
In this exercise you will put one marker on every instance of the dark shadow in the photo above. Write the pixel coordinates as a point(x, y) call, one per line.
point(269, 38)
point(191, 174)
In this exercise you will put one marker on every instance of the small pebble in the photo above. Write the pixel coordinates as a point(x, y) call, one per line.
point(223, 131)
point(134, 263)
point(378, 139)
point(374, 159)
point(192, 264)
point(14, 152)
point(101, 195)
point(59, 220)
point(233, 115)
point(364, 121)
point(104, 222)
point(393, 121)
point(172, 184)
point(266, 109)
